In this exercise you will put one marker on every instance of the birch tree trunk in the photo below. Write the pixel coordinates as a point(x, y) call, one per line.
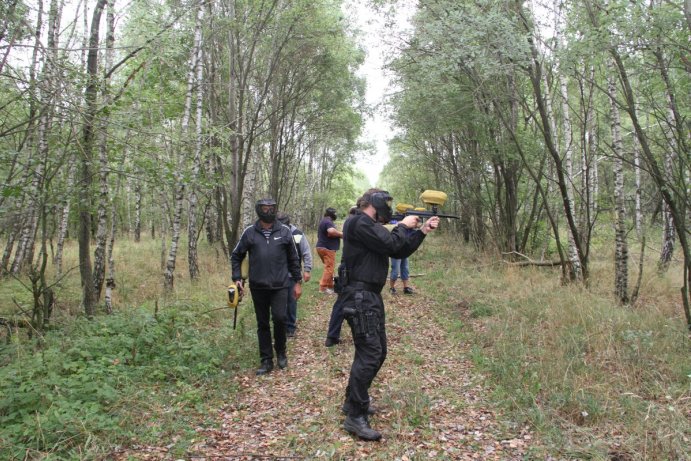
point(64, 222)
point(197, 70)
point(568, 162)
point(29, 213)
point(85, 179)
point(110, 280)
point(590, 160)
point(165, 224)
point(102, 227)
point(179, 187)
point(621, 251)
point(639, 190)
point(137, 210)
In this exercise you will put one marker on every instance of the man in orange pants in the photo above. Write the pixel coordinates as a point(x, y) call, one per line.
point(328, 243)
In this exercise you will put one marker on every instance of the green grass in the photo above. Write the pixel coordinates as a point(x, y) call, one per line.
point(593, 379)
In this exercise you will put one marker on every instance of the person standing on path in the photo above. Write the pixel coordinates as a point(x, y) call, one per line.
point(274, 266)
point(367, 246)
point(328, 243)
point(305, 253)
point(400, 267)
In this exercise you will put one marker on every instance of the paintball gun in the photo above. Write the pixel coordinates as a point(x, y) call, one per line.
point(432, 198)
point(234, 298)
point(234, 295)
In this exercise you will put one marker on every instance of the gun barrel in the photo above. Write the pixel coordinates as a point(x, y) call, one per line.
point(429, 214)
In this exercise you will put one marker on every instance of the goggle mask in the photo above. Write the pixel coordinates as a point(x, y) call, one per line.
point(382, 201)
point(266, 210)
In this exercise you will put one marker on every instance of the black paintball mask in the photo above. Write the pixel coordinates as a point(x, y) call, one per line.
point(381, 201)
point(266, 209)
point(331, 213)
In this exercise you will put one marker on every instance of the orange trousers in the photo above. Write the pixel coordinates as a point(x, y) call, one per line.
point(328, 257)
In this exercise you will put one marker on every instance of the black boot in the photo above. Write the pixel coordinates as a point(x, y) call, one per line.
point(331, 342)
point(266, 367)
point(359, 426)
point(346, 408)
point(282, 360)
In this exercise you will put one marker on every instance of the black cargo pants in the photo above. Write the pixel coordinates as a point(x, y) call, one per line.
point(369, 336)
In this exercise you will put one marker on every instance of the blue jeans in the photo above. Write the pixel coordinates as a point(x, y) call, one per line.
point(336, 319)
point(399, 265)
point(292, 311)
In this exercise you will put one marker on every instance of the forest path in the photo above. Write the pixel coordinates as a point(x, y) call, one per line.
point(431, 402)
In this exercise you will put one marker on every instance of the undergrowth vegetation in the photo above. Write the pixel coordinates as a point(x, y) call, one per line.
point(155, 369)
point(596, 380)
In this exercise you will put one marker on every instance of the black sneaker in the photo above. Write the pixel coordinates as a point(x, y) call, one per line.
point(331, 342)
point(266, 367)
point(392, 290)
point(408, 291)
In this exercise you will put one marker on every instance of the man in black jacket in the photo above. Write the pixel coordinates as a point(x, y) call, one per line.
point(273, 262)
point(366, 250)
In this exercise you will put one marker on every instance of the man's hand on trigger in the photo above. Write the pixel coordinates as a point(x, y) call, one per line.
point(431, 224)
point(410, 222)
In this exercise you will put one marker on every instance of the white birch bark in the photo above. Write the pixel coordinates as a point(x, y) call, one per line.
point(197, 162)
point(568, 162)
point(639, 190)
point(110, 279)
point(29, 216)
point(166, 224)
point(64, 222)
point(591, 160)
point(137, 210)
point(249, 194)
point(102, 213)
point(179, 187)
point(621, 252)
point(550, 169)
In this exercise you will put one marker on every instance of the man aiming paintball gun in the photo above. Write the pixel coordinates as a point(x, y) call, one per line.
point(366, 250)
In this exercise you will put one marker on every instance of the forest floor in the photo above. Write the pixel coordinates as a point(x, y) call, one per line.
point(431, 402)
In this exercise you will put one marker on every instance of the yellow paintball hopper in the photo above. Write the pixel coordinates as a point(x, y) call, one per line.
point(419, 209)
point(403, 207)
point(433, 197)
point(233, 296)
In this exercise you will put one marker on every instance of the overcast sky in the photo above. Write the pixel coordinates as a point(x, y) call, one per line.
point(377, 42)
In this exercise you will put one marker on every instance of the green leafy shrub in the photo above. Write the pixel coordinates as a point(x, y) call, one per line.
point(75, 387)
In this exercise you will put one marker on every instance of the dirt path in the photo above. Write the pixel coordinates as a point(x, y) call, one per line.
point(431, 404)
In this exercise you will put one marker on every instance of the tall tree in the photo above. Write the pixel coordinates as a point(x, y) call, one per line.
point(86, 162)
point(621, 253)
